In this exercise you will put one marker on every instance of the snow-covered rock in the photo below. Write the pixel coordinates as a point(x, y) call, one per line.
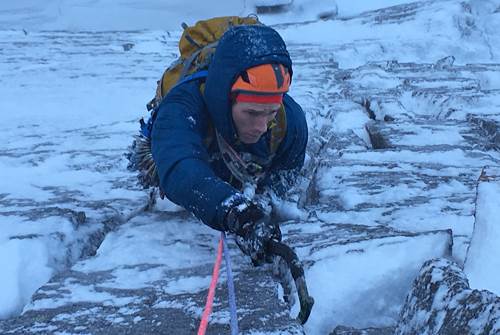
point(482, 265)
point(402, 104)
point(343, 330)
point(338, 255)
point(441, 302)
point(151, 275)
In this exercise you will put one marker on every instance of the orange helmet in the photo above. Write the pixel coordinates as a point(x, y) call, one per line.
point(262, 84)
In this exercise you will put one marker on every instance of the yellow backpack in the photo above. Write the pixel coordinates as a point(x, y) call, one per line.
point(196, 46)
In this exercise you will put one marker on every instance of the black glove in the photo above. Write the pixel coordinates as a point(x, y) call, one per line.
point(253, 229)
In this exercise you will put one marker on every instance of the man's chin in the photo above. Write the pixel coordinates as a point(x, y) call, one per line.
point(250, 139)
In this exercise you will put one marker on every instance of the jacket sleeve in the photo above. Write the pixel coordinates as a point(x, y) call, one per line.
point(290, 156)
point(181, 157)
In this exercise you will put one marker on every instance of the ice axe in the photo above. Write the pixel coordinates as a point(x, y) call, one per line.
point(297, 271)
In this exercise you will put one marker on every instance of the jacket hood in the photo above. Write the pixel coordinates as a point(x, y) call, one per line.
point(240, 48)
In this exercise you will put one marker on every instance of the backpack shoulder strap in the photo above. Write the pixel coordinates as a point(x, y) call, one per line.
point(193, 76)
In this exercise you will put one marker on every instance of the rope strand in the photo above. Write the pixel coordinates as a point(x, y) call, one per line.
point(230, 288)
point(211, 291)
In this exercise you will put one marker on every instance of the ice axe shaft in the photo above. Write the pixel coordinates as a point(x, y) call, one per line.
point(291, 258)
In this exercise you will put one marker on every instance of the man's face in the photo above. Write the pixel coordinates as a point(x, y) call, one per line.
point(251, 119)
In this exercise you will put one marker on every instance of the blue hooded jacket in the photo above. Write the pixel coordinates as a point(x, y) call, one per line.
point(189, 174)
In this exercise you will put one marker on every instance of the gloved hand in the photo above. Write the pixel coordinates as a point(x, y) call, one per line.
point(253, 229)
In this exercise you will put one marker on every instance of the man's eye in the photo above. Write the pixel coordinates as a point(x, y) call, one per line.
point(272, 115)
point(257, 114)
point(253, 113)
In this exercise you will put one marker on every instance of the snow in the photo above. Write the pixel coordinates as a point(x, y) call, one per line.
point(379, 290)
point(127, 246)
point(444, 22)
point(349, 8)
point(453, 157)
point(111, 15)
point(155, 14)
point(24, 269)
point(135, 256)
point(70, 100)
point(483, 259)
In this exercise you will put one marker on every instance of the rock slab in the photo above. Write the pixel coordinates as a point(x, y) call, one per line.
point(441, 302)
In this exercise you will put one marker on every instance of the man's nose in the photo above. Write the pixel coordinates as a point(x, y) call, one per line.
point(261, 124)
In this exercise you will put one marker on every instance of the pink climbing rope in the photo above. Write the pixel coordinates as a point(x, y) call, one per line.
point(211, 291)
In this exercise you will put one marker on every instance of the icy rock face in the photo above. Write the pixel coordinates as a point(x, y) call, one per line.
point(343, 330)
point(336, 256)
point(482, 265)
point(441, 302)
point(402, 106)
point(150, 277)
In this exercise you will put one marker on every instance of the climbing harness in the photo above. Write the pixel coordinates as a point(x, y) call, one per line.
point(242, 166)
